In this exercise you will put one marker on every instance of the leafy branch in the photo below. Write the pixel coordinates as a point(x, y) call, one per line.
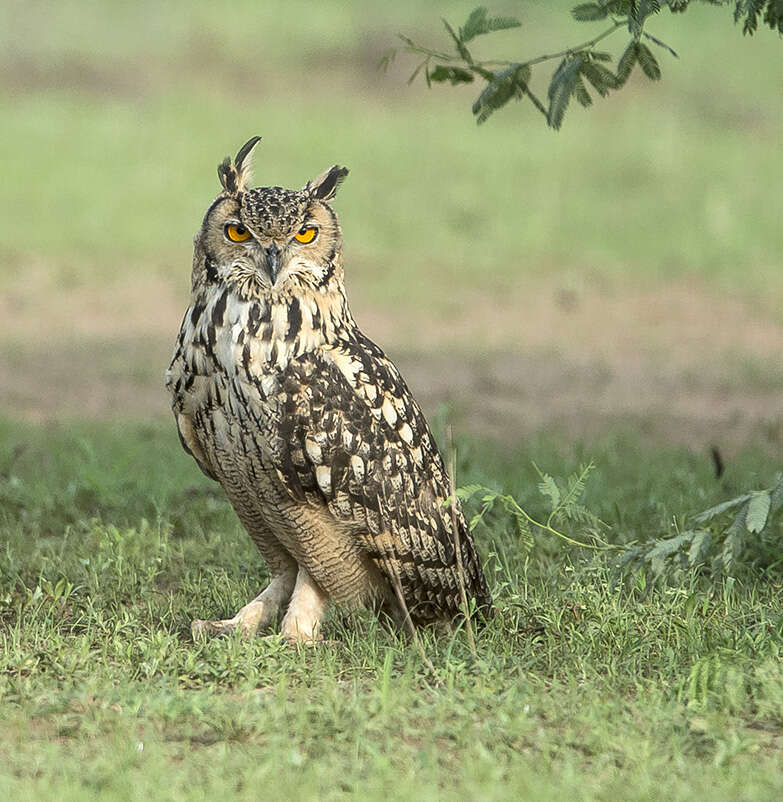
point(580, 68)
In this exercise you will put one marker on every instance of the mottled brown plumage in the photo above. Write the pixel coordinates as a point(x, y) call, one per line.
point(311, 430)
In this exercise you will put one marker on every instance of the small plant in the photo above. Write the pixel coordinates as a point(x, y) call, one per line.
point(564, 500)
point(723, 540)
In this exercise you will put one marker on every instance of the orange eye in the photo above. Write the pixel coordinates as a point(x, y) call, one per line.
point(306, 234)
point(237, 233)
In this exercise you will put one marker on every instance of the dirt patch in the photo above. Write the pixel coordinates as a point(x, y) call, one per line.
point(682, 362)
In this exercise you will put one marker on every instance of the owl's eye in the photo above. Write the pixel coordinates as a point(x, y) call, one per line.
point(306, 234)
point(237, 233)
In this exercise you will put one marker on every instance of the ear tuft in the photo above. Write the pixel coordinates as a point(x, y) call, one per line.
point(325, 186)
point(228, 176)
point(235, 176)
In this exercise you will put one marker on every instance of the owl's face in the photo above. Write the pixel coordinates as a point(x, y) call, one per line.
point(269, 238)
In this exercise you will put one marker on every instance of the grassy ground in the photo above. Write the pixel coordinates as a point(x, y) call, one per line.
point(625, 308)
point(582, 690)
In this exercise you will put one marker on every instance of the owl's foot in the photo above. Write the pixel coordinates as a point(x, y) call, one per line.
point(318, 640)
point(306, 610)
point(254, 617)
point(200, 628)
point(250, 620)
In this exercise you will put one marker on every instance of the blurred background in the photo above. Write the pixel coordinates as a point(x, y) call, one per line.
point(527, 279)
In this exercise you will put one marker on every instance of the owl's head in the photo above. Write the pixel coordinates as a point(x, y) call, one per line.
point(268, 238)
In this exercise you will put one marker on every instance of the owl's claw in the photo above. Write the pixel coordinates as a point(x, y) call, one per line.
point(201, 629)
point(318, 640)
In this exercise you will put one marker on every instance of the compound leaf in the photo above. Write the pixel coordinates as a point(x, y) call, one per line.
point(455, 75)
point(478, 24)
point(587, 12)
point(758, 511)
point(647, 61)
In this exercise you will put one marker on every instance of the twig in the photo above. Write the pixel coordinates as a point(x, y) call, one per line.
point(396, 584)
point(457, 545)
point(603, 545)
point(535, 101)
point(577, 48)
point(410, 625)
point(412, 47)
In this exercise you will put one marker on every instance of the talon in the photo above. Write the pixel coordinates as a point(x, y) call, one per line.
point(300, 639)
point(199, 629)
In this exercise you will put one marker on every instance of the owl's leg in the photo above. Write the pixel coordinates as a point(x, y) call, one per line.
point(254, 616)
point(305, 610)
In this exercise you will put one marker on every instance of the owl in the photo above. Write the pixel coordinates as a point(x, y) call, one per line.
point(320, 447)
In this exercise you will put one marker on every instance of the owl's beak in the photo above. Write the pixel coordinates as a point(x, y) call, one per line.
point(272, 253)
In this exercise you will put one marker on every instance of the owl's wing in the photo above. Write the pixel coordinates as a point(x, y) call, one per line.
point(183, 383)
point(353, 437)
point(191, 444)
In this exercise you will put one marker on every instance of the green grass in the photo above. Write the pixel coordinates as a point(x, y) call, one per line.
point(583, 689)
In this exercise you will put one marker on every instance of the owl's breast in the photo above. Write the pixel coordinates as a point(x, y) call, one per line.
point(232, 354)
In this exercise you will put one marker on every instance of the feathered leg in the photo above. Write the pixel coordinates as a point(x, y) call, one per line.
point(306, 610)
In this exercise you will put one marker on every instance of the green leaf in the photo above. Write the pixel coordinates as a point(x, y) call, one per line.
point(502, 23)
point(758, 510)
point(601, 78)
point(387, 59)
point(458, 43)
point(626, 63)
point(700, 546)
point(524, 532)
point(663, 550)
point(576, 487)
point(751, 9)
point(549, 489)
point(455, 75)
point(504, 86)
point(659, 43)
point(587, 12)
point(474, 25)
point(734, 541)
point(478, 24)
point(418, 70)
point(561, 88)
point(773, 16)
point(646, 8)
point(719, 509)
point(647, 61)
point(466, 491)
point(579, 514)
point(776, 500)
point(581, 93)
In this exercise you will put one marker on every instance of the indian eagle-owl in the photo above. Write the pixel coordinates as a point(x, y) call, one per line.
point(311, 430)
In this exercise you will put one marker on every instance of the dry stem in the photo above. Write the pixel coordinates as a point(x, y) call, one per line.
point(457, 544)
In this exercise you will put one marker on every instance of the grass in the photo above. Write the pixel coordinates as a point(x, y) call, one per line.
point(583, 689)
